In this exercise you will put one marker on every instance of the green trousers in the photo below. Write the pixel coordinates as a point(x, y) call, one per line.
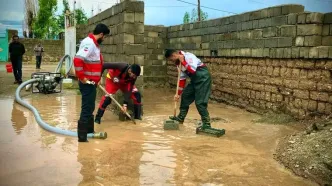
point(198, 90)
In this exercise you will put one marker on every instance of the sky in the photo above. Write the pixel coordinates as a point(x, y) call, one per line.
point(161, 12)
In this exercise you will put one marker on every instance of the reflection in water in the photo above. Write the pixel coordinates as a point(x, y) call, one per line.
point(56, 110)
point(89, 164)
point(19, 121)
point(158, 160)
point(142, 154)
point(69, 145)
point(111, 162)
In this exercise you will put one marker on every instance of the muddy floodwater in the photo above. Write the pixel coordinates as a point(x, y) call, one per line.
point(142, 154)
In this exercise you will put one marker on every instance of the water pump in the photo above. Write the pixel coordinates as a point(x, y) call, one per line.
point(47, 83)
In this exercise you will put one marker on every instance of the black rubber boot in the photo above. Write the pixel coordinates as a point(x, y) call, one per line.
point(180, 117)
point(82, 131)
point(138, 112)
point(100, 114)
point(176, 118)
point(91, 125)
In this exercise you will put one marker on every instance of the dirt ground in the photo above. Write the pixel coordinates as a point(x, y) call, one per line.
point(309, 153)
point(142, 154)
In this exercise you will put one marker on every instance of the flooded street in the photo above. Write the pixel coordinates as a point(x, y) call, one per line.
point(142, 154)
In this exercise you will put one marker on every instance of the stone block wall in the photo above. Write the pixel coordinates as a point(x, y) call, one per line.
point(301, 87)
point(277, 32)
point(126, 22)
point(155, 63)
point(54, 50)
point(278, 58)
point(11, 33)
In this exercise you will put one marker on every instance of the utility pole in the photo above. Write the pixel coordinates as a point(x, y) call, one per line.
point(199, 10)
point(74, 16)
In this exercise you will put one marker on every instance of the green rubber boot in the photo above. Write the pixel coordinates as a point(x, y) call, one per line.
point(180, 117)
point(206, 126)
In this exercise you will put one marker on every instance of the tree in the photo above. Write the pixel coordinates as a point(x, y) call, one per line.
point(80, 16)
point(194, 16)
point(43, 24)
point(61, 17)
point(47, 25)
point(186, 18)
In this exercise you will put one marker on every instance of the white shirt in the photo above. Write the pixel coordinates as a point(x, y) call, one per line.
point(88, 51)
point(192, 62)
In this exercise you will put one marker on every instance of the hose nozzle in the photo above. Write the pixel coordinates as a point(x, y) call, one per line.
point(100, 135)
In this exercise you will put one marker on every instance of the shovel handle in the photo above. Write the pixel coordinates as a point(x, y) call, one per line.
point(177, 88)
point(110, 95)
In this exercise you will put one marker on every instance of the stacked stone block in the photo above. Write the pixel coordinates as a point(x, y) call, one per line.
point(54, 50)
point(155, 63)
point(126, 22)
point(277, 32)
point(300, 87)
point(279, 58)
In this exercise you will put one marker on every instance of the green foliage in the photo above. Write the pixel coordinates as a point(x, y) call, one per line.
point(47, 25)
point(186, 18)
point(43, 24)
point(61, 17)
point(80, 16)
point(194, 16)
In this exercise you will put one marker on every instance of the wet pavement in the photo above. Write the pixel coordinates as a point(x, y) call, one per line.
point(142, 154)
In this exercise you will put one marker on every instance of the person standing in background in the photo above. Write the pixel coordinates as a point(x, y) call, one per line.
point(16, 52)
point(38, 52)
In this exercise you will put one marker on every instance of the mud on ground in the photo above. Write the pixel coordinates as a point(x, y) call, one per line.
point(309, 153)
point(141, 154)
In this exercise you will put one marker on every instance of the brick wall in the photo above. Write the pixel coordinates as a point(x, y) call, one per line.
point(279, 58)
point(155, 63)
point(54, 50)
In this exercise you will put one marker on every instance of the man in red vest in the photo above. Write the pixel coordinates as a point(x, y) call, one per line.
point(88, 64)
point(121, 76)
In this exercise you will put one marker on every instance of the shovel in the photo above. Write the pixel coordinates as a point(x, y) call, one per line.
point(111, 96)
point(177, 88)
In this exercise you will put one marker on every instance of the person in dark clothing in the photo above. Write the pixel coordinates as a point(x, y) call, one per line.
point(88, 63)
point(199, 88)
point(121, 76)
point(16, 51)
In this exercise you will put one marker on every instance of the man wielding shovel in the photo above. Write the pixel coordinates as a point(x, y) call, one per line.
point(199, 88)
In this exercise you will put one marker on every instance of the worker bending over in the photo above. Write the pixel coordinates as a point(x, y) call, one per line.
point(121, 76)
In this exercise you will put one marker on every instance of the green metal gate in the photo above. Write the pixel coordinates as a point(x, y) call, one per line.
point(4, 46)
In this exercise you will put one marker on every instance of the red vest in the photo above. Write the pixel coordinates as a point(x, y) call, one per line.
point(88, 61)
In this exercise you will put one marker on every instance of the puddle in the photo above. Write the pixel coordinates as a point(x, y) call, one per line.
point(142, 154)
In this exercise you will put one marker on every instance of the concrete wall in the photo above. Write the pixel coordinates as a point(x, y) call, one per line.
point(54, 50)
point(126, 22)
point(11, 33)
point(155, 63)
point(278, 32)
point(278, 58)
